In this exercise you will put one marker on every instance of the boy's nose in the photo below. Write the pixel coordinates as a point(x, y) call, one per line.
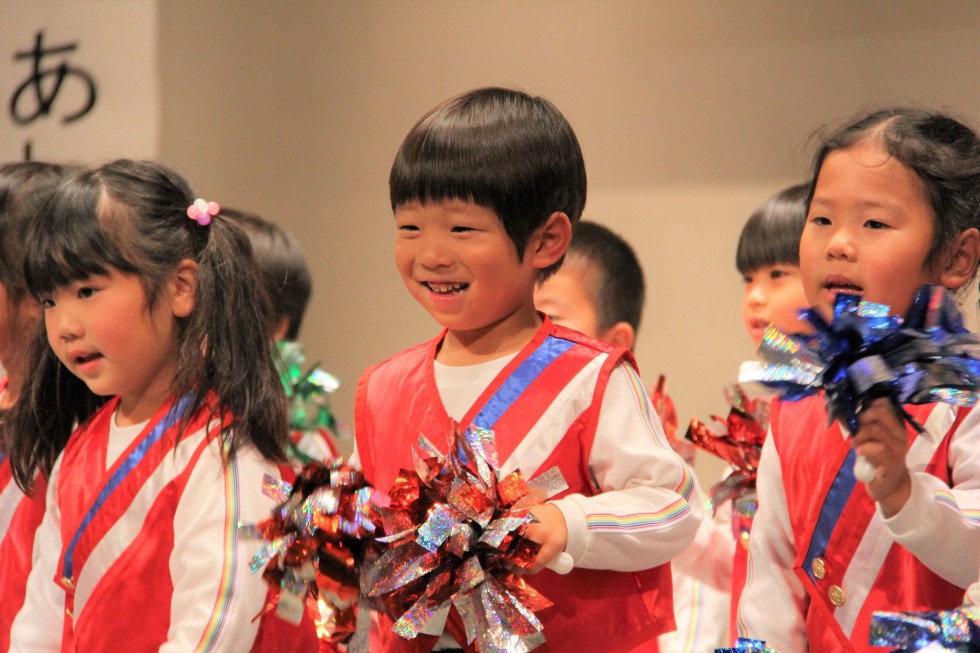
point(434, 254)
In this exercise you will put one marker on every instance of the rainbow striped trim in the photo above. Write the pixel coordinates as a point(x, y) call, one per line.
point(219, 615)
point(642, 521)
point(946, 498)
point(692, 636)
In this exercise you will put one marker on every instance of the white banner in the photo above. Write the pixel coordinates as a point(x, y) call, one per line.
point(78, 80)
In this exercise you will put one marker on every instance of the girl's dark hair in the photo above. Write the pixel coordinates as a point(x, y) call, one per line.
point(618, 288)
point(24, 188)
point(502, 149)
point(771, 236)
point(131, 216)
point(284, 270)
point(943, 152)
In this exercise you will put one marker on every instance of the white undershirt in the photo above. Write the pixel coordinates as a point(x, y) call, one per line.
point(460, 387)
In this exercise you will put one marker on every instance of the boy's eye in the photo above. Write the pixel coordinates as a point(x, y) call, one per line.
point(874, 224)
point(46, 303)
point(407, 227)
point(85, 292)
point(820, 220)
point(746, 279)
point(462, 229)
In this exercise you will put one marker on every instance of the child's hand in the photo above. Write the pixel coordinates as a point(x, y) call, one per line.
point(549, 531)
point(883, 441)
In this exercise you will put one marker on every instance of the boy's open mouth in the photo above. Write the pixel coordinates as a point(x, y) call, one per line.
point(445, 288)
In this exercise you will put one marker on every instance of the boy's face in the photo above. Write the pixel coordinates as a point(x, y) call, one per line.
point(458, 262)
point(565, 297)
point(773, 295)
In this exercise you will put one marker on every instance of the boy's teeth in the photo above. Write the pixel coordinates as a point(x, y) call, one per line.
point(445, 287)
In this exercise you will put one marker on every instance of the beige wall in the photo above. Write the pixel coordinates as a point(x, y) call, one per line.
point(689, 113)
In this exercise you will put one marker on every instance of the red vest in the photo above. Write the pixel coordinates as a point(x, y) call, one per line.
point(128, 602)
point(16, 542)
point(397, 400)
point(830, 513)
point(16, 549)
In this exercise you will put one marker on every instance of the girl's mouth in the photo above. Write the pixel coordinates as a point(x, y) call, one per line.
point(446, 288)
point(843, 287)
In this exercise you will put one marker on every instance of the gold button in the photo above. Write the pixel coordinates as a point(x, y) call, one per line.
point(743, 537)
point(836, 595)
point(67, 582)
point(69, 613)
point(819, 568)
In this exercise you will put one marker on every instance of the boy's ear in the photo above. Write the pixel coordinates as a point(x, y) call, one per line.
point(550, 241)
point(621, 334)
point(963, 258)
point(183, 288)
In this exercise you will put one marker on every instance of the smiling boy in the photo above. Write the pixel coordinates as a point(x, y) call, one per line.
point(484, 191)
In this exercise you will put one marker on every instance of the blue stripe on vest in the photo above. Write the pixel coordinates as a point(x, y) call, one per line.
point(114, 481)
point(515, 385)
point(830, 512)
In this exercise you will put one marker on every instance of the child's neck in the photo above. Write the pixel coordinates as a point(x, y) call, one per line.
point(493, 341)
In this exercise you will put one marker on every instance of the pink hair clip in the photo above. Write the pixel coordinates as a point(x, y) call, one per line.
point(201, 211)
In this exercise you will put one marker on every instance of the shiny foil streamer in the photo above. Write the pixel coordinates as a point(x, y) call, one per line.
point(737, 440)
point(307, 392)
point(864, 353)
point(745, 645)
point(464, 538)
point(956, 630)
point(314, 540)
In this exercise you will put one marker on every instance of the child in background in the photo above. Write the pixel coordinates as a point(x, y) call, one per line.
point(768, 258)
point(153, 381)
point(312, 427)
point(24, 187)
point(599, 291)
point(484, 190)
point(894, 204)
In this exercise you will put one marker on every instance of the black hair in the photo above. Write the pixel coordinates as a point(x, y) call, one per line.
point(24, 188)
point(502, 149)
point(771, 235)
point(284, 271)
point(943, 152)
point(618, 289)
point(130, 216)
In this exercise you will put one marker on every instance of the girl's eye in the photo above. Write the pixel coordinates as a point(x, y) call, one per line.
point(820, 220)
point(460, 229)
point(874, 224)
point(777, 274)
point(85, 292)
point(747, 279)
point(407, 227)
point(46, 303)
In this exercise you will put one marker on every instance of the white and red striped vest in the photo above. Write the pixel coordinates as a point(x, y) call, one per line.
point(845, 556)
point(397, 400)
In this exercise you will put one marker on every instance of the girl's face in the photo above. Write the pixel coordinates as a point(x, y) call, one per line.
point(773, 295)
point(868, 231)
point(101, 329)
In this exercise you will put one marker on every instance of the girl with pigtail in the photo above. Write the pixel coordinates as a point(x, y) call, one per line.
point(154, 410)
